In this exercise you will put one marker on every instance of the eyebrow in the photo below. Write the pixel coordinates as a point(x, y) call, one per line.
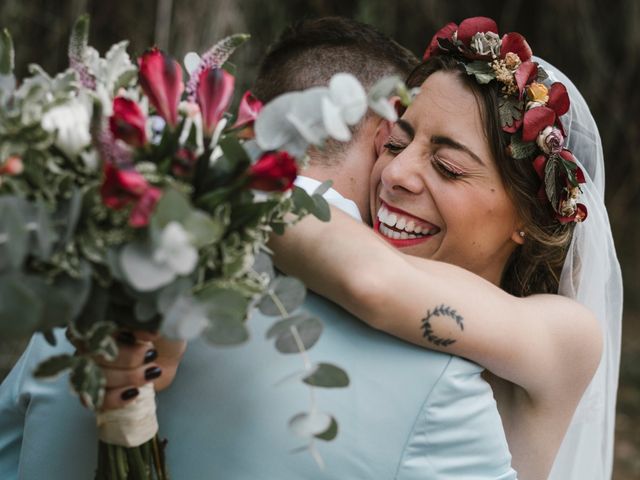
point(406, 127)
point(451, 143)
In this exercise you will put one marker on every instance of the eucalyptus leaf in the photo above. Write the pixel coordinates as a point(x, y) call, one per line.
point(323, 187)
point(53, 366)
point(321, 209)
point(310, 424)
point(289, 292)
point(172, 207)
point(328, 376)
point(290, 331)
point(14, 233)
point(385, 87)
point(202, 229)
point(227, 312)
point(330, 433)
point(186, 319)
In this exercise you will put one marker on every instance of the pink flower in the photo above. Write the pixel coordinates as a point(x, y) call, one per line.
point(183, 162)
point(160, 77)
point(12, 166)
point(215, 90)
point(127, 122)
point(144, 207)
point(248, 111)
point(274, 171)
point(121, 187)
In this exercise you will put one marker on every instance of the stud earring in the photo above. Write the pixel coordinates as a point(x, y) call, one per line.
point(521, 233)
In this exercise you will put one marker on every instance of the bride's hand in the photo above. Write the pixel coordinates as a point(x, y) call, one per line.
point(143, 357)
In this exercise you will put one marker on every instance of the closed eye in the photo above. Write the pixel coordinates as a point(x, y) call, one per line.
point(394, 147)
point(446, 170)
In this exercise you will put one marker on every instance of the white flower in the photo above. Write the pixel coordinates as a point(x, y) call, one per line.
point(485, 43)
point(175, 250)
point(148, 269)
point(70, 123)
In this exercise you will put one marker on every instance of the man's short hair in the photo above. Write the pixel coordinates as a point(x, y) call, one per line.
point(310, 52)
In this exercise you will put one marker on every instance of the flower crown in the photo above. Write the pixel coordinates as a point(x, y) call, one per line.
point(529, 110)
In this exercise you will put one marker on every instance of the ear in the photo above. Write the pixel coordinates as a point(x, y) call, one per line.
point(518, 236)
point(381, 135)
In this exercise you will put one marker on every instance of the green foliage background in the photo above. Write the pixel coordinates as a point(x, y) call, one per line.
point(596, 43)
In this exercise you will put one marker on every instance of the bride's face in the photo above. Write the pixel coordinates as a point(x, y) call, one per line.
point(436, 191)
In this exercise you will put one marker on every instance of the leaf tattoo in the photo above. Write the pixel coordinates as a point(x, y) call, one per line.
point(441, 311)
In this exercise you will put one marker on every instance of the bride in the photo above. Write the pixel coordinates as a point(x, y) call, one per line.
point(494, 260)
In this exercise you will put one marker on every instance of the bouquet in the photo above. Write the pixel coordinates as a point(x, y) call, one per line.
point(130, 200)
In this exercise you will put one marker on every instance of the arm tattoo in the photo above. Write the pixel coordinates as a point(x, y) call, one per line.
point(441, 311)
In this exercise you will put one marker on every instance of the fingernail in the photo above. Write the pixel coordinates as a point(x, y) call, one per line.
point(129, 394)
point(150, 356)
point(152, 373)
point(126, 338)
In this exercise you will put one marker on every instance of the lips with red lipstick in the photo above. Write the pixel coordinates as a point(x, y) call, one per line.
point(402, 229)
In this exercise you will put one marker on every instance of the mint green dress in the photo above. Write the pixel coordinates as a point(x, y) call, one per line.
point(408, 413)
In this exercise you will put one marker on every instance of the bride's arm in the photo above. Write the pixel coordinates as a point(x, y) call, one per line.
point(540, 343)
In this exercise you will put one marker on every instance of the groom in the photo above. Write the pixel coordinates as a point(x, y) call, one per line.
point(408, 413)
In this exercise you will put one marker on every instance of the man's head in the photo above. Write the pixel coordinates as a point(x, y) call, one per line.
point(308, 54)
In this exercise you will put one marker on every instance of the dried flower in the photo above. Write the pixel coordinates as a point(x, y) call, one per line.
point(550, 140)
point(538, 92)
point(486, 43)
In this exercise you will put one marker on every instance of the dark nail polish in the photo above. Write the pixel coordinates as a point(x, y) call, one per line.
point(152, 373)
point(126, 338)
point(150, 356)
point(129, 394)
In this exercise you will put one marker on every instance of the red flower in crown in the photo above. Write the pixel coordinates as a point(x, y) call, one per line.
point(248, 111)
point(274, 171)
point(160, 77)
point(215, 90)
point(127, 122)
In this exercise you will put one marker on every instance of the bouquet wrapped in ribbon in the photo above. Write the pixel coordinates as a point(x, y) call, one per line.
point(128, 199)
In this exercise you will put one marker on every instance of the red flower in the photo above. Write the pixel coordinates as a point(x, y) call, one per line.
point(470, 26)
point(144, 207)
point(127, 122)
point(536, 119)
point(274, 171)
point(445, 32)
point(160, 77)
point(248, 111)
point(121, 187)
point(215, 89)
point(515, 43)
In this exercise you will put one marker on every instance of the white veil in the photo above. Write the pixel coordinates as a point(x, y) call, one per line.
point(591, 275)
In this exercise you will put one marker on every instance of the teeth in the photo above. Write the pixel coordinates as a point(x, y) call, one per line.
point(410, 229)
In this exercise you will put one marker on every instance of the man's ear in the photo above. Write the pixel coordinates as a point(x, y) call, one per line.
point(381, 135)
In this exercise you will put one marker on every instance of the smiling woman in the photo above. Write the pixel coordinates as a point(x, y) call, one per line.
point(475, 184)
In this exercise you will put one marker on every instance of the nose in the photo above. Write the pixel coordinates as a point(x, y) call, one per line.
point(402, 174)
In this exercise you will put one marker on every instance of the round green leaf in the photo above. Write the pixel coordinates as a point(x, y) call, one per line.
point(328, 376)
point(310, 424)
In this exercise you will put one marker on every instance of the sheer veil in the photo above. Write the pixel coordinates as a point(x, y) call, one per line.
point(591, 275)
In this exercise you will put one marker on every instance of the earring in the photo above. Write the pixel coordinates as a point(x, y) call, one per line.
point(521, 233)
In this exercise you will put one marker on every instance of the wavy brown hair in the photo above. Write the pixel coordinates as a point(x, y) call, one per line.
point(535, 266)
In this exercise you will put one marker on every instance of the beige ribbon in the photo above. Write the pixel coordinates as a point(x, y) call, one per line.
point(133, 424)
